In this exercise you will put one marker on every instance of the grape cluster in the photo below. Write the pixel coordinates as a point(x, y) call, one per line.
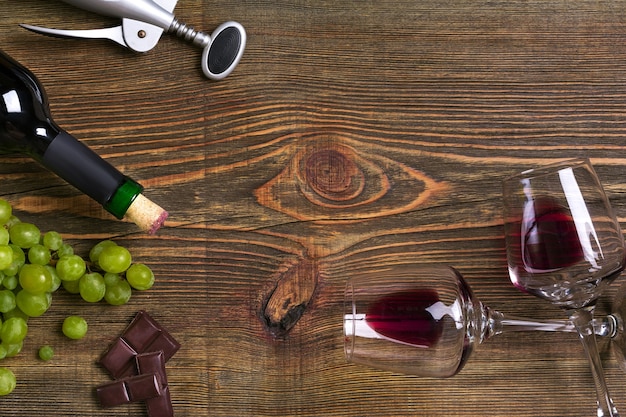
point(33, 265)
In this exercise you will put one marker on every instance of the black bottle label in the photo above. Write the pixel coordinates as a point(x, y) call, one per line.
point(81, 167)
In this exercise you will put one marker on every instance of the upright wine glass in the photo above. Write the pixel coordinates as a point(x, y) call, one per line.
point(565, 245)
point(421, 320)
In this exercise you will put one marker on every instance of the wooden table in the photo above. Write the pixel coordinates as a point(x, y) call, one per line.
point(351, 133)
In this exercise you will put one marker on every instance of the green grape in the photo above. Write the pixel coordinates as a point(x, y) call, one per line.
point(56, 280)
point(4, 236)
point(12, 220)
point(39, 254)
point(111, 278)
point(10, 283)
point(7, 301)
point(91, 287)
point(19, 255)
point(6, 211)
point(33, 305)
point(74, 327)
point(7, 381)
point(27, 280)
point(95, 251)
point(52, 240)
point(45, 352)
point(71, 286)
point(24, 235)
point(71, 267)
point(11, 270)
point(16, 312)
point(13, 349)
point(114, 259)
point(65, 250)
point(118, 293)
point(19, 259)
point(13, 330)
point(35, 278)
point(6, 255)
point(140, 277)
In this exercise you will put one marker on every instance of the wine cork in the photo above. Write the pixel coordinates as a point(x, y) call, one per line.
point(146, 214)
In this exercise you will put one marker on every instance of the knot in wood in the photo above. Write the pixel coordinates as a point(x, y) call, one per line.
point(333, 174)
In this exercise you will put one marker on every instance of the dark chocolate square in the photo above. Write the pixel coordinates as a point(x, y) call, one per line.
point(164, 343)
point(152, 363)
point(141, 332)
point(142, 387)
point(160, 406)
point(137, 361)
point(112, 394)
point(119, 359)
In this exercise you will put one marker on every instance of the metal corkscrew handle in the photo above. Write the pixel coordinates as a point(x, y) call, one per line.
point(222, 49)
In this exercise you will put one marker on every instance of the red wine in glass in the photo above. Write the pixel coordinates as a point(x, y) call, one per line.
point(407, 317)
point(550, 240)
point(545, 239)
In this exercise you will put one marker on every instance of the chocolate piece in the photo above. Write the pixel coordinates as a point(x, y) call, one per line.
point(152, 363)
point(118, 360)
point(142, 335)
point(142, 387)
point(164, 343)
point(134, 388)
point(112, 394)
point(138, 356)
point(146, 335)
point(141, 332)
point(160, 406)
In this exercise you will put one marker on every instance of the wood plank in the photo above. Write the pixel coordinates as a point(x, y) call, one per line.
point(350, 135)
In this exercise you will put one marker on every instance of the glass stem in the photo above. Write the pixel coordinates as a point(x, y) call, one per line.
point(495, 322)
point(582, 318)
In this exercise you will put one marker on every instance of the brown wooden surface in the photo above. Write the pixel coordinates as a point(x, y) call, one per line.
point(350, 134)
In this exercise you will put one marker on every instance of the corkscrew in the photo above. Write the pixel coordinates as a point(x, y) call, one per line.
point(143, 23)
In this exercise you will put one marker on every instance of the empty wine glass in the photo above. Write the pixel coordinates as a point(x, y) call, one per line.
point(421, 320)
point(565, 245)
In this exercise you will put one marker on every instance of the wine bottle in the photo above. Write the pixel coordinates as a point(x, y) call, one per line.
point(26, 127)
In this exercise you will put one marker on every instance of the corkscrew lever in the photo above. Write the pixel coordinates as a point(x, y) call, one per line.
point(116, 34)
point(143, 23)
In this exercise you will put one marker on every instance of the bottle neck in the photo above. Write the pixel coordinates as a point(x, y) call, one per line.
point(123, 197)
point(88, 172)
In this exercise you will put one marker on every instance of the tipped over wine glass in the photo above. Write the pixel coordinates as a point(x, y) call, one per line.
point(565, 245)
point(422, 320)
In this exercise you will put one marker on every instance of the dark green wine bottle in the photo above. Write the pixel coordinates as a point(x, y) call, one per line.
point(26, 127)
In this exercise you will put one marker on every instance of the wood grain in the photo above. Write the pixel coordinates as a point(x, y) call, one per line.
point(350, 135)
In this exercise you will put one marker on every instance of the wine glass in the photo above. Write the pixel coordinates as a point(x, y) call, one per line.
point(421, 320)
point(565, 245)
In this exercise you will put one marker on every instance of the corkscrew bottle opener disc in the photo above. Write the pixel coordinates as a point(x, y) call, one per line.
point(143, 23)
